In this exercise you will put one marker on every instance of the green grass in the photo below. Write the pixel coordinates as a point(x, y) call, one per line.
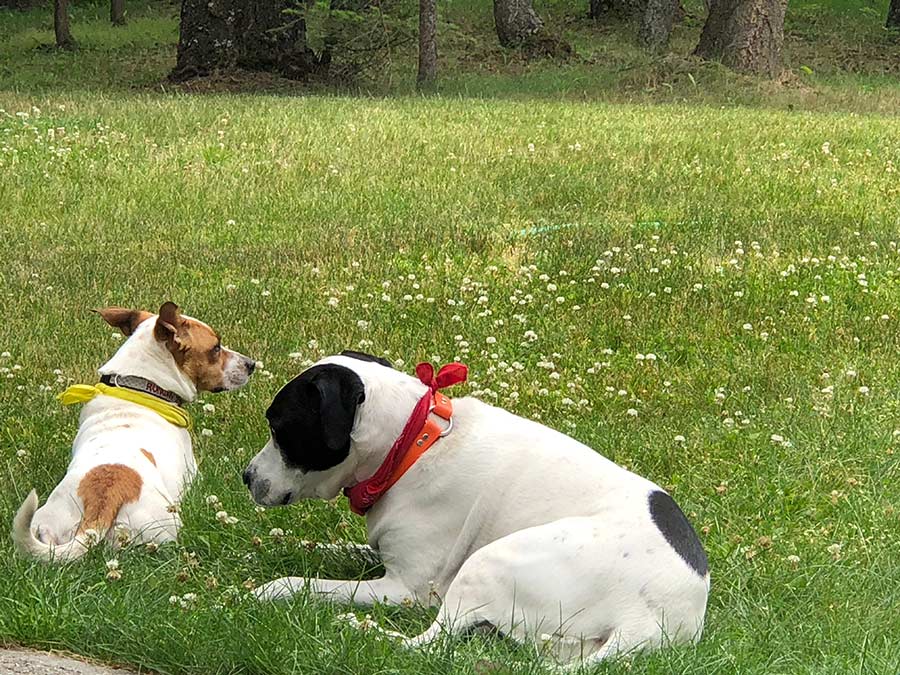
point(665, 229)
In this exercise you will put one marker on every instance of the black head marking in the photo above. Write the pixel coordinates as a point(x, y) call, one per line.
point(674, 526)
point(312, 416)
point(362, 356)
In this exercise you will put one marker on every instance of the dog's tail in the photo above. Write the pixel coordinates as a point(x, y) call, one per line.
point(29, 545)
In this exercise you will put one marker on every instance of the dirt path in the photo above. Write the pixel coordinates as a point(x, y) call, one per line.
point(21, 662)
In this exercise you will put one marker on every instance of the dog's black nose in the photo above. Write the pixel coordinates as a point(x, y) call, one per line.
point(250, 365)
point(247, 477)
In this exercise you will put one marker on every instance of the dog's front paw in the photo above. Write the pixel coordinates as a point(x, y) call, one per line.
point(280, 589)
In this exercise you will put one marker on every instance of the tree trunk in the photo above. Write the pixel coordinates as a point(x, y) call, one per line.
point(516, 22)
point(656, 24)
point(427, 43)
point(64, 39)
point(117, 12)
point(220, 35)
point(746, 35)
point(893, 18)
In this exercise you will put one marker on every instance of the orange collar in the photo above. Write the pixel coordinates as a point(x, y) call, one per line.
point(419, 433)
point(441, 406)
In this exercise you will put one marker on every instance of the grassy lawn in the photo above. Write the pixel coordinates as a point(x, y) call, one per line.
point(553, 245)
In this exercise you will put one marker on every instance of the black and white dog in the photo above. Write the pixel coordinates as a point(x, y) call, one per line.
point(503, 522)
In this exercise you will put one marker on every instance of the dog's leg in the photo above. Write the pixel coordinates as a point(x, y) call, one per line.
point(386, 589)
point(576, 612)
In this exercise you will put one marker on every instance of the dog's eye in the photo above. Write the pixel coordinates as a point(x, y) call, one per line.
point(216, 349)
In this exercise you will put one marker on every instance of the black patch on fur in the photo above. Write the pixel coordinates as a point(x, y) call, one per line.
point(312, 416)
point(674, 526)
point(362, 356)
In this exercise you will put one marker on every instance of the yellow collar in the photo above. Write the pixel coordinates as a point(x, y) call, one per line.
point(82, 393)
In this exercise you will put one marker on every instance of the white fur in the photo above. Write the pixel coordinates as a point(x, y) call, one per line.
point(113, 431)
point(506, 522)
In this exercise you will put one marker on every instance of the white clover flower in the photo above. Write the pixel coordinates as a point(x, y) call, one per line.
point(679, 438)
point(212, 500)
point(864, 390)
point(560, 300)
point(276, 532)
point(224, 518)
point(631, 412)
point(230, 287)
point(266, 293)
point(206, 432)
point(112, 564)
point(491, 340)
point(6, 355)
point(209, 408)
point(747, 326)
point(794, 560)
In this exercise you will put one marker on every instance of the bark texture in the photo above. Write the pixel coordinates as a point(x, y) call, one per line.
point(427, 43)
point(64, 39)
point(516, 22)
point(657, 23)
point(117, 12)
point(893, 17)
point(745, 35)
point(219, 35)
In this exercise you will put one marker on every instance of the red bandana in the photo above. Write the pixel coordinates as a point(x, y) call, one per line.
point(363, 495)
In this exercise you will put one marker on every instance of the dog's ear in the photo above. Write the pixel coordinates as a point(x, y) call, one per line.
point(126, 320)
point(340, 391)
point(168, 326)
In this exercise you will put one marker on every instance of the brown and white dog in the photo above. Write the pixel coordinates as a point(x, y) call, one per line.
point(129, 465)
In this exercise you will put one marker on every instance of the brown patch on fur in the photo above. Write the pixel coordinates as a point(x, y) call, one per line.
point(104, 490)
point(149, 455)
point(195, 346)
point(126, 320)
